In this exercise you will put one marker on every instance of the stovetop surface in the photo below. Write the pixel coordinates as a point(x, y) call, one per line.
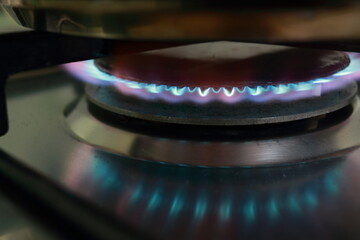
point(318, 199)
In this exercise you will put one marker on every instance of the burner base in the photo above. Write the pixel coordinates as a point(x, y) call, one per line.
point(218, 113)
point(237, 151)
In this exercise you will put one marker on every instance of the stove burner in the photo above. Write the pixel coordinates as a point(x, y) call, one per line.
point(125, 116)
point(272, 94)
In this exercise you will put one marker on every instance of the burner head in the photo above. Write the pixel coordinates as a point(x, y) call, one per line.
point(227, 65)
point(224, 83)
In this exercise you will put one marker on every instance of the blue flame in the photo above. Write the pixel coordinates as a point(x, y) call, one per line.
point(87, 71)
point(273, 208)
point(201, 206)
point(177, 204)
point(249, 209)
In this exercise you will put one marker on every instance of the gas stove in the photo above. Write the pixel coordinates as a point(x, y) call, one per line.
point(179, 135)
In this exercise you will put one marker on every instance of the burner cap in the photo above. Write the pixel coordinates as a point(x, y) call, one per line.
point(227, 65)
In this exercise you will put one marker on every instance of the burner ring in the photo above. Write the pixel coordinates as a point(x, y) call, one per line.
point(217, 113)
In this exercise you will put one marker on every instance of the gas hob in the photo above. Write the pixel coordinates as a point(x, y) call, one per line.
point(110, 157)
